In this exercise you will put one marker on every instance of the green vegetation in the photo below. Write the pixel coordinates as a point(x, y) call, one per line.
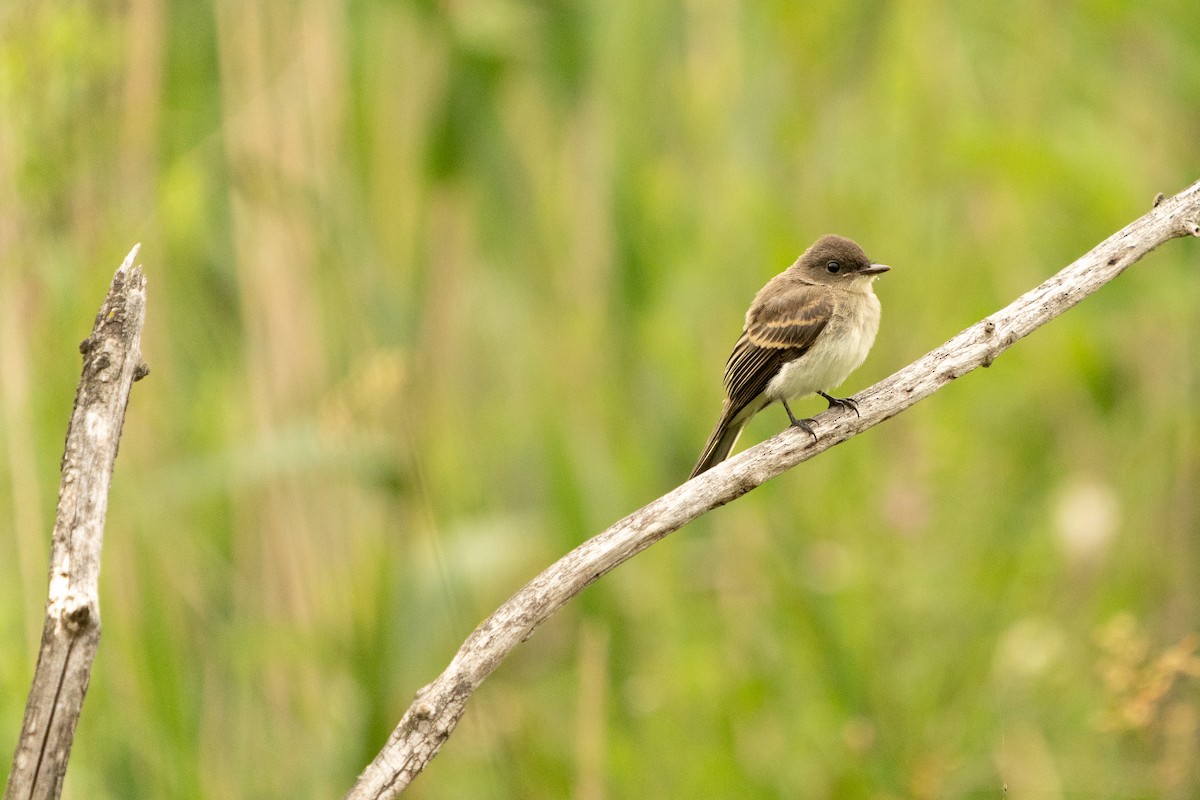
point(438, 290)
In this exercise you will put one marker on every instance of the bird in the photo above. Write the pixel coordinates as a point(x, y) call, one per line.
point(806, 331)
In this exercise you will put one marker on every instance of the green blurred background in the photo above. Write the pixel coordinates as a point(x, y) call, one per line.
point(440, 289)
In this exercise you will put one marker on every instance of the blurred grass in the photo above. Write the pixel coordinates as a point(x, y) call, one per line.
point(437, 290)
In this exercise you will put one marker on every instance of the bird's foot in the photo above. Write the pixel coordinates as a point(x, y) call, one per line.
point(841, 402)
point(803, 424)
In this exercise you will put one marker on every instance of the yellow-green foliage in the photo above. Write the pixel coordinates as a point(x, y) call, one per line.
point(439, 289)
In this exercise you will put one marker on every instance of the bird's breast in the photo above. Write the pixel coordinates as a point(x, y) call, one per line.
point(839, 350)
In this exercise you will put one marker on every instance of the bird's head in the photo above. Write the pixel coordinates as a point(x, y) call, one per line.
point(836, 260)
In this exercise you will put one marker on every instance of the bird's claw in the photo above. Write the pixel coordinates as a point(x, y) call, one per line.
point(806, 426)
point(842, 402)
point(803, 424)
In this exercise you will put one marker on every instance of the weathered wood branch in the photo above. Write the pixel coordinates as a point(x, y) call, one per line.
point(437, 707)
point(111, 363)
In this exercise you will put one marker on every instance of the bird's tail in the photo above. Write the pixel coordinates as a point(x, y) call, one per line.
point(723, 438)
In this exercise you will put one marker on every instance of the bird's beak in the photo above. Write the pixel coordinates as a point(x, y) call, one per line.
point(875, 269)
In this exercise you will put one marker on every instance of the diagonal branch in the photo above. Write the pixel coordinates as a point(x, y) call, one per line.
point(111, 363)
point(437, 707)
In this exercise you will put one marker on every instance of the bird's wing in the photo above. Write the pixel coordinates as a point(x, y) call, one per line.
point(777, 331)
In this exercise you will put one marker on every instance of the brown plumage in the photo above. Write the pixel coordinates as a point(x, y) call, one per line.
point(806, 331)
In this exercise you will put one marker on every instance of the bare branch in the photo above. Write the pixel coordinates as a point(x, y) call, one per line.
point(111, 363)
point(438, 706)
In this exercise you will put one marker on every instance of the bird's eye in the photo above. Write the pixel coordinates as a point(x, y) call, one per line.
point(833, 267)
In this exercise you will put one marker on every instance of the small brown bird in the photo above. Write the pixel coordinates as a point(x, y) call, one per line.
point(806, 331)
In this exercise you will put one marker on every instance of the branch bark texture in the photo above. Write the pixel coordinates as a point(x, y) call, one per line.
point(111, 363)
point(437, 707)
